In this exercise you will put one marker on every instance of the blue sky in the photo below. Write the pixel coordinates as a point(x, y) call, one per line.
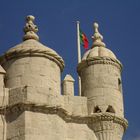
point(119, 22)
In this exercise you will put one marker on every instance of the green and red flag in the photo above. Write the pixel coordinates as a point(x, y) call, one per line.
point(83, 40)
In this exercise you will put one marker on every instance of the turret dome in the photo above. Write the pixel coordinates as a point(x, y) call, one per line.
point(98, 52)
point(98, 48)
point(31, 45)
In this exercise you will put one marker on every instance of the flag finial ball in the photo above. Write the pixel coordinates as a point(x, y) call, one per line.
point(30, 18)
point(96, 26)
point(30, 29)
point(97, 37)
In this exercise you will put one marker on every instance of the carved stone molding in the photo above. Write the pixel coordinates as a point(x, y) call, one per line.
point(36, 51)
point(98, 117)
point(99, 60)
point(64, 114)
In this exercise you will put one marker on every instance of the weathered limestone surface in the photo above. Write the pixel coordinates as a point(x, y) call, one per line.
point(32, 106)
point(47, 120)
point(15, 126)
point(52, 127)
point(102, 88)
point(33, 71)
point(68, 85)
point(35, 95)
point(3, 126)
point(100, 73)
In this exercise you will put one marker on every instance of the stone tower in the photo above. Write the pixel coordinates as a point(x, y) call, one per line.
point(100, 73)
point(32, 106)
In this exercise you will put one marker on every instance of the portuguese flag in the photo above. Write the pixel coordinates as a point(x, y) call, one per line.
point(83, 40)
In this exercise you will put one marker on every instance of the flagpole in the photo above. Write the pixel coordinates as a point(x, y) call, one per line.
point(79, 54)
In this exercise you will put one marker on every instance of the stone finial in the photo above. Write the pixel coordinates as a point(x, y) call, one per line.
point(30, 29)
point(68, 85)
point(97, 37)
point(2, 85)
point(68, 77)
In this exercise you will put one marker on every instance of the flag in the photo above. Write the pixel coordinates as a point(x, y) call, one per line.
point(83, 40)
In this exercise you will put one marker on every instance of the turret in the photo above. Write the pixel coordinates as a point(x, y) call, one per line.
point(31, 63)
point(101, 83)
point(68, 85)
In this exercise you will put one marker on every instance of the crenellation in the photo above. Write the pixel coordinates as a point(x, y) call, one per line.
point(68, 85)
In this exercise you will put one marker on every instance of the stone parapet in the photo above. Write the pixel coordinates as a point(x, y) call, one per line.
point(40, 96)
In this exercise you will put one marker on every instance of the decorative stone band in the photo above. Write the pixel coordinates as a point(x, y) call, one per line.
point(98, 117)
point(30, 35)
point(64, 114)
point(99, 60)
point(33, 52)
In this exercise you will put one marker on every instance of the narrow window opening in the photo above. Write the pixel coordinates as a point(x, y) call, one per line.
point(119, 84)
point(4, 80)
point(119, 81)
point(97, 109)
point(110, 109)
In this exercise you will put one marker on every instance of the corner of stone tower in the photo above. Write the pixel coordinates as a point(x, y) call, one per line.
point(2, 74)
point(3, 103)
point(101, 83)
point(3, 90)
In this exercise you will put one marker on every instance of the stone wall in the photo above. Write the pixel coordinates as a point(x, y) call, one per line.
point(33, 71)
point(52, 127)
point(3, 126)
point(101, 84)
point(15, 126)
point(75, 105)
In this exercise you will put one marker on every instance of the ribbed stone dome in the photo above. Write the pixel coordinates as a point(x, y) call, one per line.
point(31, 46)
point(34, 47)
point(98, 48)
point(98, 51)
